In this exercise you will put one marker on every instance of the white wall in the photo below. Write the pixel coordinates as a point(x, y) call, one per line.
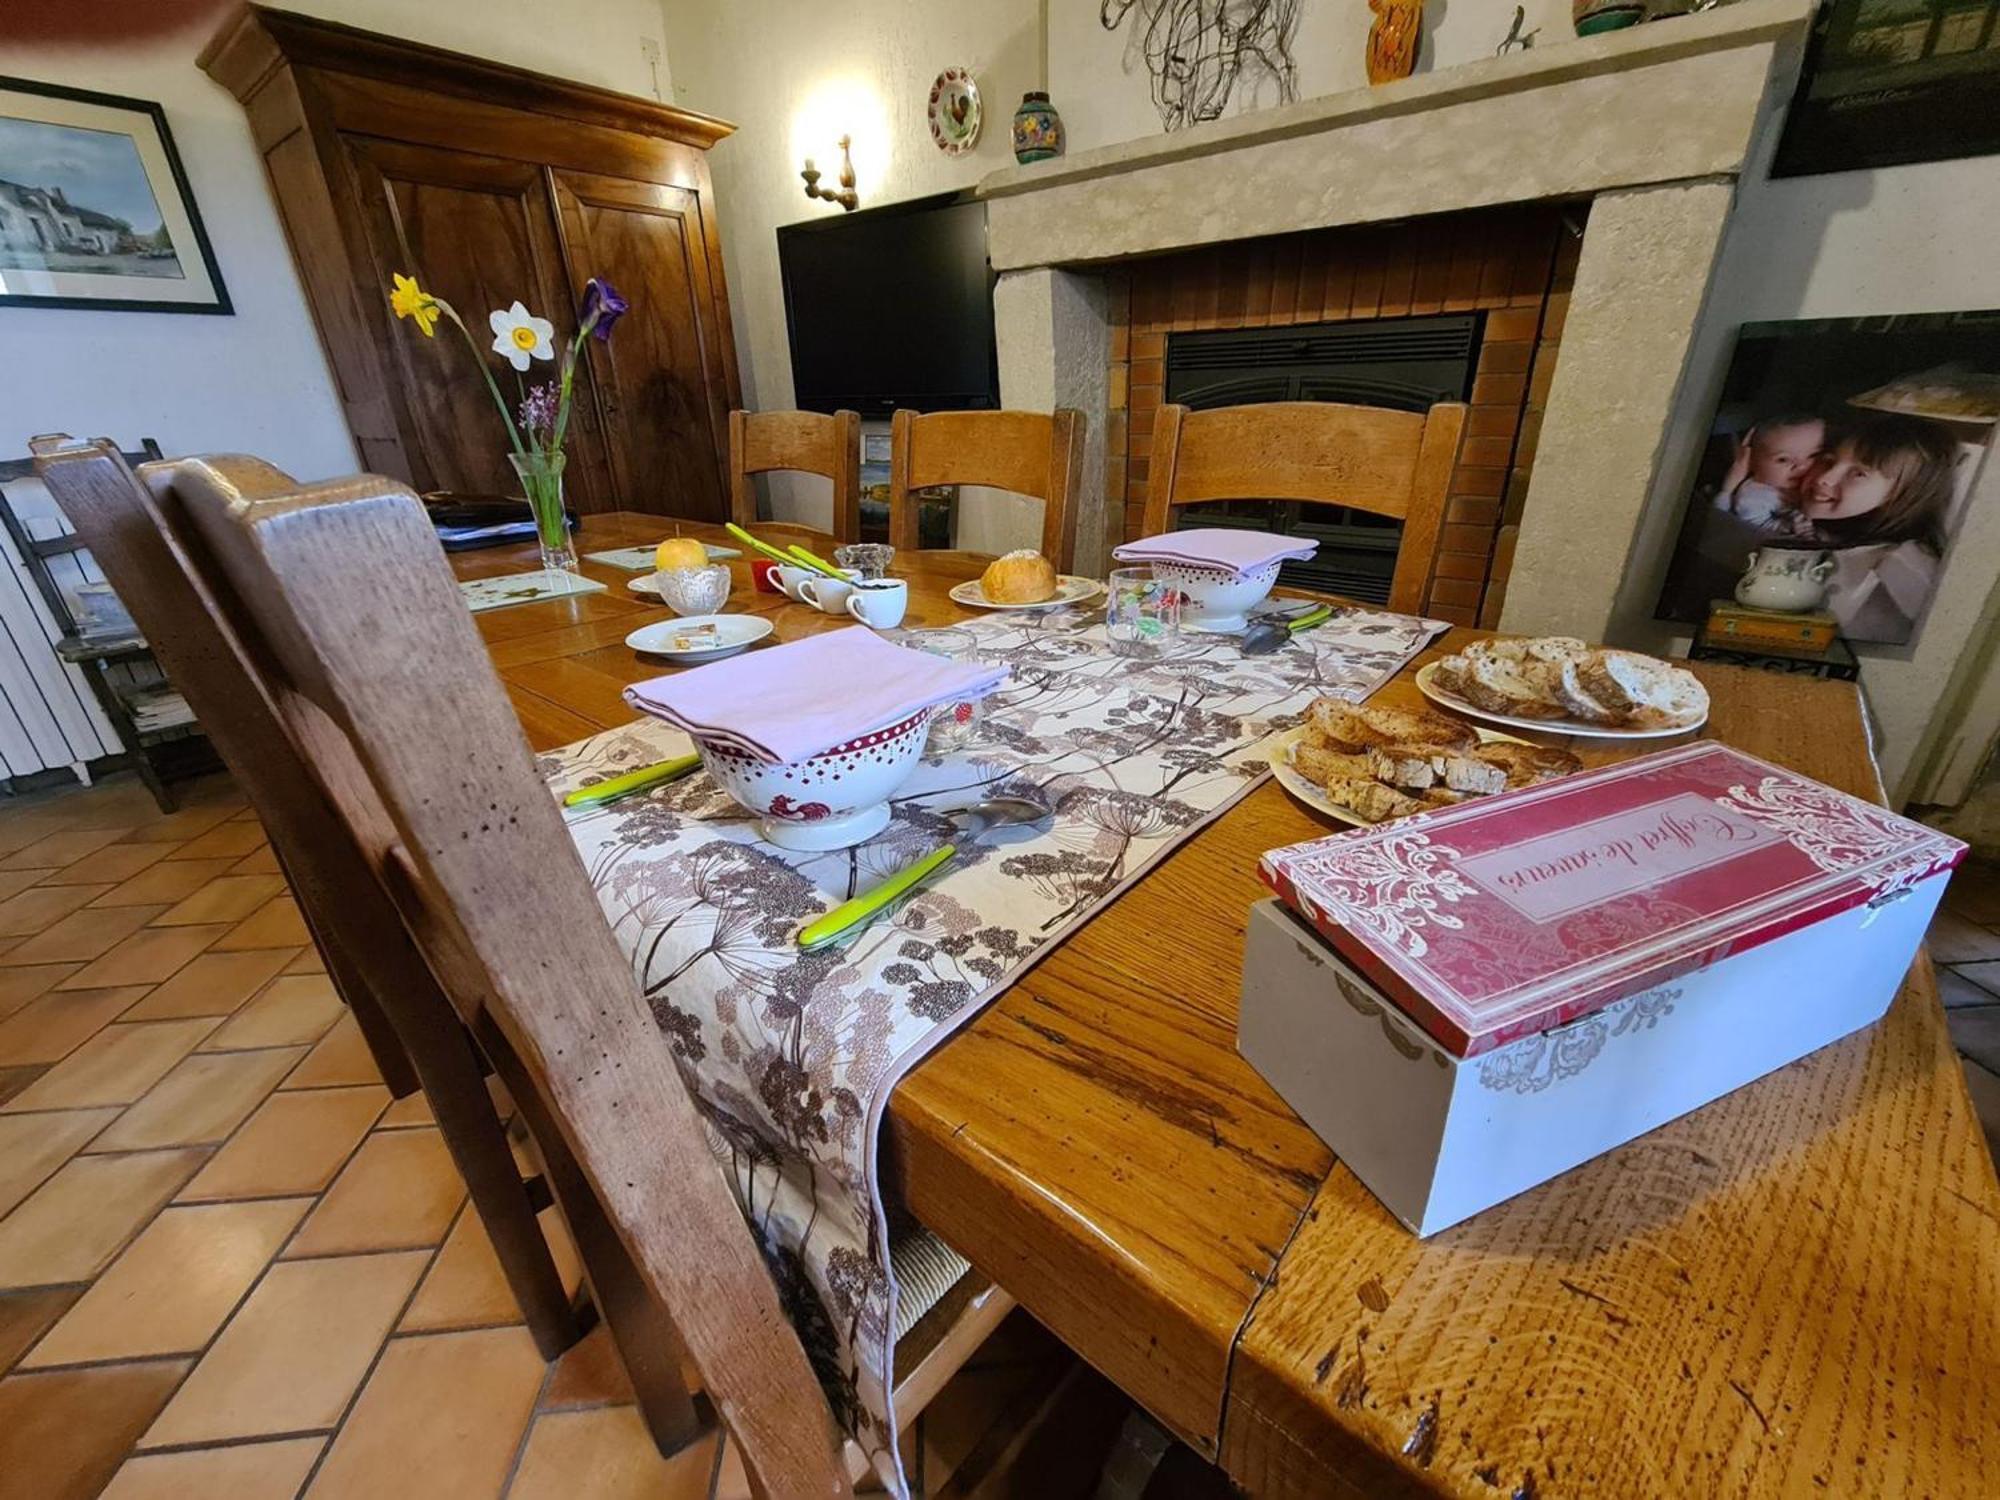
point(257, 381)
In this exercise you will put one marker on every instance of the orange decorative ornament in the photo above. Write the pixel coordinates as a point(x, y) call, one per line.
point(1392, 39)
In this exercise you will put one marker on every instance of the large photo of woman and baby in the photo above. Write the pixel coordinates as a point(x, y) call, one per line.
point(1855, 439)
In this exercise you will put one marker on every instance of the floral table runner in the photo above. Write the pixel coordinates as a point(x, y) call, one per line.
point(792, 1057)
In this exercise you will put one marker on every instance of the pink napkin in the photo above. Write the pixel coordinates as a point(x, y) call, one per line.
point(793, 701)
point(1216, 547)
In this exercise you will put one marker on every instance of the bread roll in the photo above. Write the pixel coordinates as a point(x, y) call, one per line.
point(1023, 577)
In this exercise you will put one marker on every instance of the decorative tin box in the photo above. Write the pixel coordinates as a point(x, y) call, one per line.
point(1465, 1003)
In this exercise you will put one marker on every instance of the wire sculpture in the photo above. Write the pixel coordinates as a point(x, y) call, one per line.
point(1197, 51)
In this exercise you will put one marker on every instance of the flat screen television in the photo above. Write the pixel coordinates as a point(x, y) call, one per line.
point(891, 307)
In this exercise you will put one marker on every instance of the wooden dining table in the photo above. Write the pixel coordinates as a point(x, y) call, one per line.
point(1792, 1291)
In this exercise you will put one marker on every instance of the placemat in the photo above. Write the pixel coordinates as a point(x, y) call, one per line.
point(640, 559)
point(792, 1057)
point(482, 594)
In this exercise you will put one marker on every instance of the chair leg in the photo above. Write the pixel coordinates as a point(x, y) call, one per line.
point(391, 1060)
point(647, 1343)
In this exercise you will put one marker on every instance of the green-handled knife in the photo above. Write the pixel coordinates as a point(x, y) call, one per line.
point(632, 781)
point(775, 555)
point(813, 560)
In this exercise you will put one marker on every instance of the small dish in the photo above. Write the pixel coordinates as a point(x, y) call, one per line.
point(1070, 589)
point(734, 633)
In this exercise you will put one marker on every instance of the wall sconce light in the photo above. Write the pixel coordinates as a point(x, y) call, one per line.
point(846, 197)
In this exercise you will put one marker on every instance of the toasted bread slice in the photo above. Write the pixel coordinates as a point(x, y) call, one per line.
point(1439, 796)
point(1519, 689)
point(1417, 726)
point(1576, 698)
point(1334, 725)
point(1408, 766)
point(1527, 764)
point(1470, 775)
point(1372, 801)
point(1321, 765)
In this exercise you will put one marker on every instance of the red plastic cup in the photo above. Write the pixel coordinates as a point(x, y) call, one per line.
point(762, 575)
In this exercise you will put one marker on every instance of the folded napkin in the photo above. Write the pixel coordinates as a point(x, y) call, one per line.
point(1216, 547)
point(793, 701)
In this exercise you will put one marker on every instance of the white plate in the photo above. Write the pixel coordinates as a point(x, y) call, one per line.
point(1426, 678)
point(1279, 753)
point(739, 632)
point(1070, 589)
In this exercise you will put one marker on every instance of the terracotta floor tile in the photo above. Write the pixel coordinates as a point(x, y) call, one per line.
point(42, 906)
point(223, 839)
point(33, 1146)
point(26, 1316)
point(150, 956)
point(262, 861)
point(1986, 976)
point(60, 849)
point(294, 1353)
point(293, 1010)
point(14, 1080)
point(1954, 940)
point(63, 1433)
point(167, 883)
point(71, 1226)
point(114, 1067)
point(19, 986)
point(49, 1029)
point(450, 1406)
point(1956, 989)
point(398, 1193)
point(230, 898)
point(201, 1101)
point(1975, 1031)
point(82, 936)
point(210, 984)
point(607, 1454)
point(587, 1373)
point(342, 1057)
point(276, 924)
point(244, 1471)
point(109, 866)
point(465, 1287)
point(410, 1110)
point(295, 1143)
point(182, 824)
point(13, 882)
point(174, 1286)
point(308, 961)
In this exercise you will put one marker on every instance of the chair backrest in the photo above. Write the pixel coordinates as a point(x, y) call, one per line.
point(1038, 454)
point(804, 442)
point(318, 594)
point(1391, 463)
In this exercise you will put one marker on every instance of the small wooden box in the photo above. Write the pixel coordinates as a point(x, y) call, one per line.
point(1735, 624)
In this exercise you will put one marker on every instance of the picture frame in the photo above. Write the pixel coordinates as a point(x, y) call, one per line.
point(95, 208)
point(1888, 82)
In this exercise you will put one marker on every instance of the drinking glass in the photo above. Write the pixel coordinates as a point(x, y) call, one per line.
point(1142, 614)
point(955, 725)
point(870, 559)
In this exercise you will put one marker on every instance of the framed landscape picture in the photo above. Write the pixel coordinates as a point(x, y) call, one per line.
point(1854, 438)
point(1892, 81)
point(94, 208)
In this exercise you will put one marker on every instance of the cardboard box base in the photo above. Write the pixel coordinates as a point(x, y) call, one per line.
point(1438, 1138)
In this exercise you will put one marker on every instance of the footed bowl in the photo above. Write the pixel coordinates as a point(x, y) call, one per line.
point(831, 800)
point(1217, 600)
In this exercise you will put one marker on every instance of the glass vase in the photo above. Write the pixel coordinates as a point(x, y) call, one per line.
point(541, 477)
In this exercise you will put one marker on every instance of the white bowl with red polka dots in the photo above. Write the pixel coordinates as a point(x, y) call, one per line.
point(831, 800)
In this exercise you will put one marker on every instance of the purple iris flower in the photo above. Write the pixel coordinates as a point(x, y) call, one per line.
point(602, 302)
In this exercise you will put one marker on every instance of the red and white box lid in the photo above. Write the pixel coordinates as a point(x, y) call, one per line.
point(1507, 916)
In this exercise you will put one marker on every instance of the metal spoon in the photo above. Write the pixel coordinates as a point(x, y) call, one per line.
point(994, 812)
point(1268, 635)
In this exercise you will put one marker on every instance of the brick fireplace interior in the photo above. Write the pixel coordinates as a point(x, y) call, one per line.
point(1511, 266)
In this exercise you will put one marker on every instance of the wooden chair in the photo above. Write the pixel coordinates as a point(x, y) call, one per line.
point(1392, 463)
point(1039, 454)
point(801, 442)
point(155, 729)
point(411, 1029)
point(322, 589)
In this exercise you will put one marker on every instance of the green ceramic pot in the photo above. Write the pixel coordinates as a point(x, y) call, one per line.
point(1593, 16)
point(1038, 129)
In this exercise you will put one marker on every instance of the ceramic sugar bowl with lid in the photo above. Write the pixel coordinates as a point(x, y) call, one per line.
point(1791, 580)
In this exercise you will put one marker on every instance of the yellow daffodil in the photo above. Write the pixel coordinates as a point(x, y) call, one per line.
point(521, 336)
point(412, 301)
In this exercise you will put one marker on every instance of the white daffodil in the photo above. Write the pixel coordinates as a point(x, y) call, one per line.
point(521, 336)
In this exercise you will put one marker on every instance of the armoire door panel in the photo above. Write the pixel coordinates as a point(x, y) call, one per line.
point(478, 232)
point(663, 379)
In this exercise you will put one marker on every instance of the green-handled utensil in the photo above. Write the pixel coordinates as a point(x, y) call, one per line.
point(1266, 636)
point(994, 812)
point(775, 555)
point(813, 560)
point(632, 781)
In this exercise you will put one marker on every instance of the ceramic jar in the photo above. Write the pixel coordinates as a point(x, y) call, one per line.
point(1789, 580)
point(1038, 129)
point(1593, 16)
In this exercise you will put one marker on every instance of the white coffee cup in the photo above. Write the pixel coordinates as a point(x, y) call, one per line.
point(789, 576)
point(826, 594)
point(879, 603)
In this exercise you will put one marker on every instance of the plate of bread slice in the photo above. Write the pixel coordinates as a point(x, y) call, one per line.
point(1369, 763)
point(1024, 580)
point(1559, 684)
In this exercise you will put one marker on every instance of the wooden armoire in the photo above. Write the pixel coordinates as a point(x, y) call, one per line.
point(492, 184)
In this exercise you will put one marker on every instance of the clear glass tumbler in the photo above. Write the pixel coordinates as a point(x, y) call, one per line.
point(1142, 614)
point(869, 559)
point(955, 725)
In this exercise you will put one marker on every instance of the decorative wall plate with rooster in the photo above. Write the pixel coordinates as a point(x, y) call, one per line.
point(954, 112)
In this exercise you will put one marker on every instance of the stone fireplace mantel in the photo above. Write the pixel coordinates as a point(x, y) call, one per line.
point(1652, 125)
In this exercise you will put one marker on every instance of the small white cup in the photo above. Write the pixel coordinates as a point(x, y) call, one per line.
point(826, 594)
point(879, 603)
point(790, 576)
